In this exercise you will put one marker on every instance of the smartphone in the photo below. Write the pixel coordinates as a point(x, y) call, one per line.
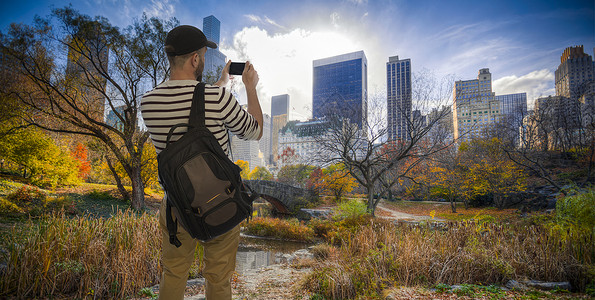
point(236, 68)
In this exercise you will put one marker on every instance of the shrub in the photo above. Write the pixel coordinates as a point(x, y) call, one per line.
point(350, 208)
point(29, 199)
point(335, 232)
point(282, 229)
point(8, 208)
point(577, 209)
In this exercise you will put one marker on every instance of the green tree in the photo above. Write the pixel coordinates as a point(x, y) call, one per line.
point(106, 68)
point(296, 175)
point(260, 173)
point(42, 161)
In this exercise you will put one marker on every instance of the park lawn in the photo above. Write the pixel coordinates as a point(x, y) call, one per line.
point(98, 200)
point(442, 210)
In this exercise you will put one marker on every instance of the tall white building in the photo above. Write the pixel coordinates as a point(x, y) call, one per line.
point(265, 143)
point(249, 151)
point(475, 107)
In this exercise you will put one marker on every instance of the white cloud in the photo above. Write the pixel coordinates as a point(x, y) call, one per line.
point(536, 84)
point(163, 9)
point(284, 62)
point(254, 18)
point(335, 18)
point(264, 21)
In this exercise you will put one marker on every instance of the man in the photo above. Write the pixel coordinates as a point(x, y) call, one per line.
point(169, 104)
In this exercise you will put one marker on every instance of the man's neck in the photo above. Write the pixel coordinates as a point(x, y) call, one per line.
point(182, 76)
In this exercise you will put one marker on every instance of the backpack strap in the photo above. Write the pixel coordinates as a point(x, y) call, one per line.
point(197, 118)
point(197, 110)
point(172, 226)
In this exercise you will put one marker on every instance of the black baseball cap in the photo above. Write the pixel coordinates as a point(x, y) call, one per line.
point(185, 39)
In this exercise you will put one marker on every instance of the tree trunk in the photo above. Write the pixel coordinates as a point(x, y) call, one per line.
point(138, 189)
point(453, 205)
point(119, 184)
point(371, 202)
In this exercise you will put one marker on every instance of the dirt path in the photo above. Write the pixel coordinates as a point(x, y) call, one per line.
point(383, 211)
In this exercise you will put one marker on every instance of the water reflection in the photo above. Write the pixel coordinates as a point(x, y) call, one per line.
point(255, 253)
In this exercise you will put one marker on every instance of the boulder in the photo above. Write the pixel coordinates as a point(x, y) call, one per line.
point(548, 286)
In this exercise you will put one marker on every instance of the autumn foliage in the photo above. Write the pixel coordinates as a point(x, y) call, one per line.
point(80, 154)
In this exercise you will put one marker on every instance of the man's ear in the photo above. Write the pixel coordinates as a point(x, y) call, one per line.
point(195, 60)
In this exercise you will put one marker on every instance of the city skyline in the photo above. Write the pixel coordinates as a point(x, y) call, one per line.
point(519, 41)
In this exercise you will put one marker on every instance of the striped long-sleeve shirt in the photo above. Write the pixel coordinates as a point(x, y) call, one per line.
point(169, 104)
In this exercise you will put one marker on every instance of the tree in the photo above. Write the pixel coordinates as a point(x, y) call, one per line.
point(550, 136)
point(42, 161)
point(260, 173)
point(362, 150)
point(489, 171)
point(245, 166)
point(105, 68)
point(80, 154)
point(296, 175)
point(336, 180)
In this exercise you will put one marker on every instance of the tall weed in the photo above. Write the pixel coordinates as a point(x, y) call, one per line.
point(82, 257)
point(382, 254)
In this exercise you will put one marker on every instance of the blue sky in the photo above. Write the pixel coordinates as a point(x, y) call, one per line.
point(519, 41)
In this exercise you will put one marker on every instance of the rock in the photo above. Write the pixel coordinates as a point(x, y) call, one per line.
point(195, 282)
point(515, 285)
point(548, 286)
point(316, 213)
point(551, 204)
point(303, 254)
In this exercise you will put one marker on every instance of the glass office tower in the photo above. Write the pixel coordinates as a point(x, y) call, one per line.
point(214, 59)
point(340, 87)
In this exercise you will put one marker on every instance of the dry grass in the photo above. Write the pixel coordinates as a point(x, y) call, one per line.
point(384, 255)
point(82, 257)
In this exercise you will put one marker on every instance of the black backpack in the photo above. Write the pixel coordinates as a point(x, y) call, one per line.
point(200, 181)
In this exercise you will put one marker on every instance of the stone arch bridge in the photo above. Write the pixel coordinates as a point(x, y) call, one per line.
point(286, 199)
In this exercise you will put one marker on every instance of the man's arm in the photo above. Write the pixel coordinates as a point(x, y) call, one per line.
point(224, 79)
point(250, 79)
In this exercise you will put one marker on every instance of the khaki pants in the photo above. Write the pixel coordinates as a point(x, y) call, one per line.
point(219, 258)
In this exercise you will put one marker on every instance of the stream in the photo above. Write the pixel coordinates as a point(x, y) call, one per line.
point(256, 252)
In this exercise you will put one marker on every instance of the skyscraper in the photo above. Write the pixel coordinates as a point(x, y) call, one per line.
point(214, 59)
point(248, 151)
point(574, 72)
point(340, 87)
point(475, 106)
point(398, 102)
point(264, 144)
point(280, 116)
point(211, 27)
